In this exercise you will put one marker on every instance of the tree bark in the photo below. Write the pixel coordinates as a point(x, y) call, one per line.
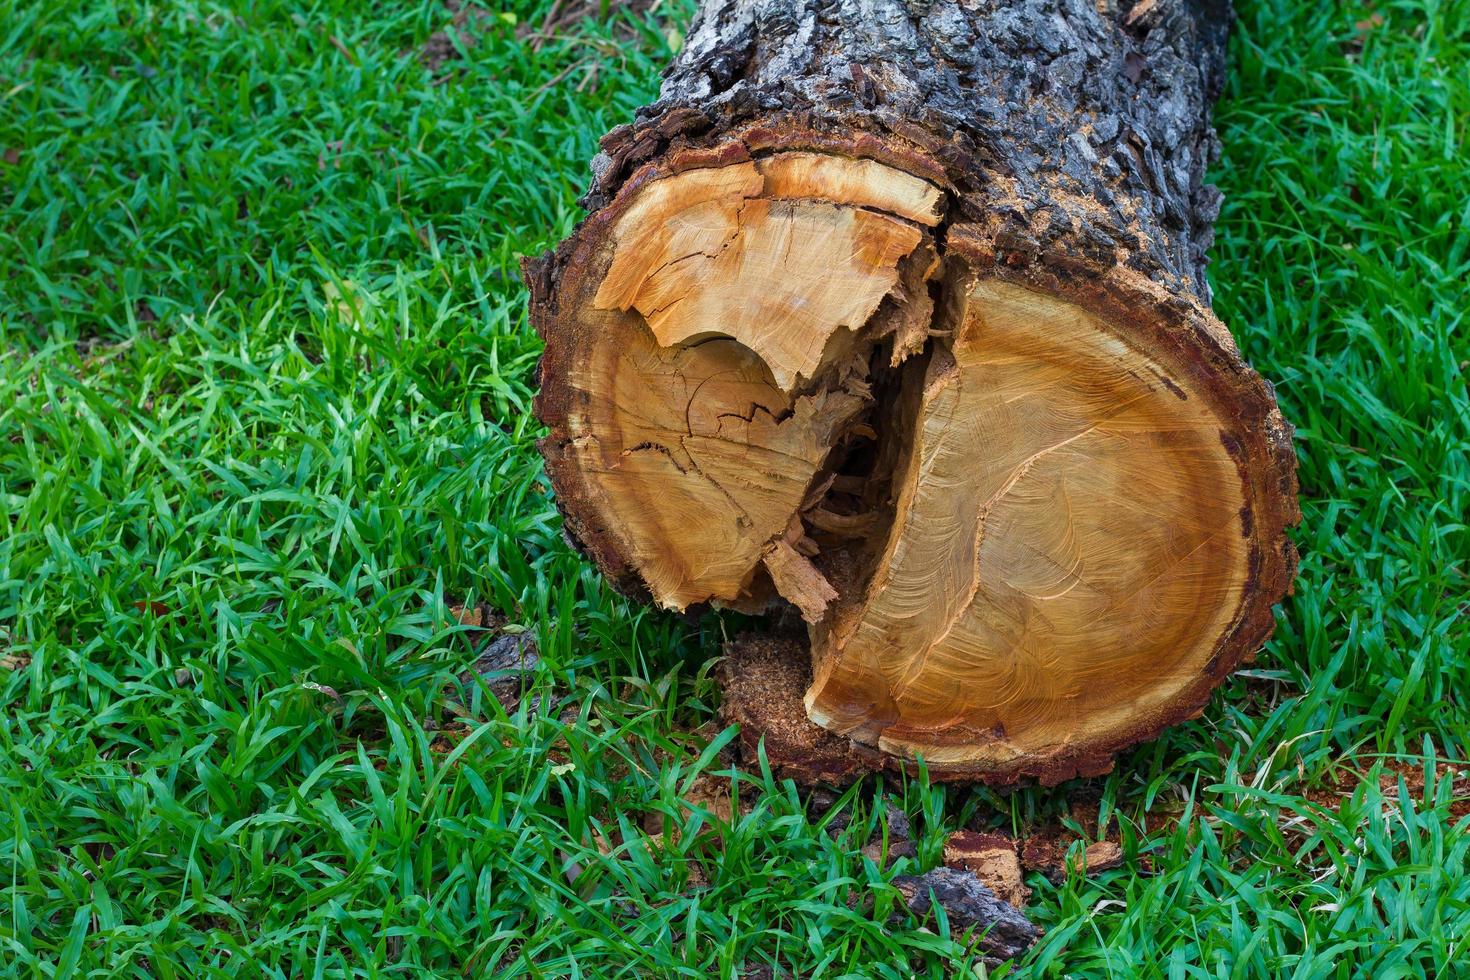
point(897, 313)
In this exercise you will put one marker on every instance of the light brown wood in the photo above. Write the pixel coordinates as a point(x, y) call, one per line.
point(701, 255)
point(862, 183)
point(798, 580)
point(733, 361)
point(698, 460)
point(1066, 551)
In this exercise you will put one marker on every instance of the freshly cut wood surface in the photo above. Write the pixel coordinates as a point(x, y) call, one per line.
point(1067, 548)
point(695, 460)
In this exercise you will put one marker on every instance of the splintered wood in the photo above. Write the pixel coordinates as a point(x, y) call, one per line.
point(703, 255)
point(736, 314)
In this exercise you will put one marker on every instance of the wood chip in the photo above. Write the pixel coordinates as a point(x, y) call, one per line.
point(1103, 855)
point(897, 848)
point(798, 581)
point(506, 665)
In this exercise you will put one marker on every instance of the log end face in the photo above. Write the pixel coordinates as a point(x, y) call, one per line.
point(1089, 536)
point(1032, 513)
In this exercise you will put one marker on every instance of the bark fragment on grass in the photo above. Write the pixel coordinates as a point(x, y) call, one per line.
point(969, 904)
point(506, 659)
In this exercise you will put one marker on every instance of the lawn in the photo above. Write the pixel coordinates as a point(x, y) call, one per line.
point(265, 379)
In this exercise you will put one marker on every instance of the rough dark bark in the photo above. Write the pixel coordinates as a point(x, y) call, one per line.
point(968, 904)
point(1067, 143)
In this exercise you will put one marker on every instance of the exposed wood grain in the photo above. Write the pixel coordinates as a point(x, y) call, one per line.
point(1069, 546)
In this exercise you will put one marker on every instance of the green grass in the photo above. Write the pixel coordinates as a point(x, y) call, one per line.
point(264, 388)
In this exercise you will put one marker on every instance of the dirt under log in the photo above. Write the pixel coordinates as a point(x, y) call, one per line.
point(898, 316)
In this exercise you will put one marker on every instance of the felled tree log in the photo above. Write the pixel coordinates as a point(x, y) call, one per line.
point(897, 313)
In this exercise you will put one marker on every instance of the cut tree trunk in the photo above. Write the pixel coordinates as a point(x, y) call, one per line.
point(896, 313)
